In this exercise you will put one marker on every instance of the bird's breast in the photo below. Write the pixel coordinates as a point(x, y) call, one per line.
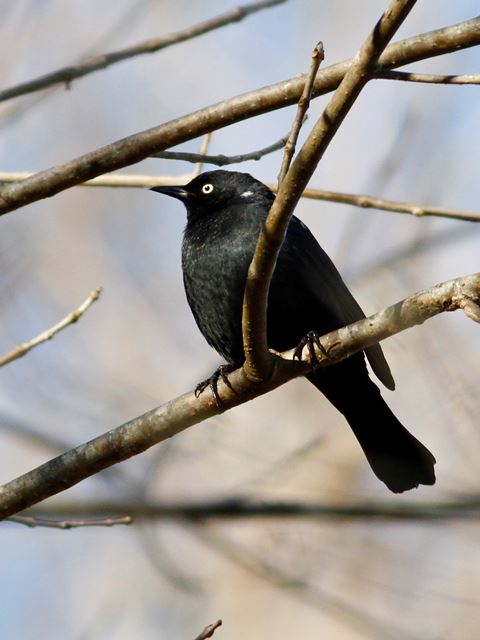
point(215, 265)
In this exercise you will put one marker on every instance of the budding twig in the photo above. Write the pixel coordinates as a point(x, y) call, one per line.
point(21, 349)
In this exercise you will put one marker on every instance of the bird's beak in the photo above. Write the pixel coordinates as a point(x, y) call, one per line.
point(175, 192)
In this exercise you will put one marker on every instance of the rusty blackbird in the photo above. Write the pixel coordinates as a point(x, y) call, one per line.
point(225, 212)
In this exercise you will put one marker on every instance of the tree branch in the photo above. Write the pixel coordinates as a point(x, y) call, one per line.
point(258, 362)
point(146, 143)
point(138, 181)
point(220, 160)
point(22, 349)
point(318, 55)
point(209, 630)
point(244, 508)
point(35, 521)
point(372, 202)
point(67, 75)
point(429, 78)
point(175, 416)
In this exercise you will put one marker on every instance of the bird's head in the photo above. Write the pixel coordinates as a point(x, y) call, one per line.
point(214, 190)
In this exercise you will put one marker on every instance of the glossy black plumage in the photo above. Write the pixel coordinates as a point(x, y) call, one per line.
point(225, 211)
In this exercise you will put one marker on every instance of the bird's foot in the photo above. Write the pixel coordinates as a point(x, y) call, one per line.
point(212, 383)
point(311, 340)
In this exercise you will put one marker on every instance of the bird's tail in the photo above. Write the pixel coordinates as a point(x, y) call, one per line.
point(395, 456)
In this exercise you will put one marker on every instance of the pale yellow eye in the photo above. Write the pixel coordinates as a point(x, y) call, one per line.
point(207, 188)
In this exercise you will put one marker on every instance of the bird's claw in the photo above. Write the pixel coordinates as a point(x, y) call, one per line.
point(212, 382)
point(311, 340)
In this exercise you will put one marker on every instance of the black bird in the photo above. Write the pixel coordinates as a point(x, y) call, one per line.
point(225, 212)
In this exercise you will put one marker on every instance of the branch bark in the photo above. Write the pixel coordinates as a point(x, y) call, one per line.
point(258, 362)
point(428, 78)
point(175, 416)
point(138, 181)
point(242, 507)
point(146, 143)
point(22, 349)
point(66, 75)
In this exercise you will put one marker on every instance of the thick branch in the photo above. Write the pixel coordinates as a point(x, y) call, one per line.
point(146, 143)
point(254, 319)
point(67, 75)
point(175, 416)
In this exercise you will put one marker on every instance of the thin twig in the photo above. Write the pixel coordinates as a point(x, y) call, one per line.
point(21, 349)
point(302, 108)
point(258, 361)
point(67, 75)
point(241, 507)
point(116, 29)
point(179, 414)
point(372, 202)
point(209, 630)
point(203, 150)
point(138, 181)
point(35, 521)
point(144, 144)
point(221, 160)
point(429, 78)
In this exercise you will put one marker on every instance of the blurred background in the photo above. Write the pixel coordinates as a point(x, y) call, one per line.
point(138, 346)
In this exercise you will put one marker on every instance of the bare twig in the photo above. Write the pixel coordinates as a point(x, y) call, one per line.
point(372, 202)
point(138, 181)
point(175, 416)
point(244, 508)
point(146, 143)
point(21, 349)
point(258, 361)
point(35, 521)
point(67, 75)
point(303, 104)
point(201, 155)
point(429, 78)
point(116, 29)
point(220, 160)
point(119, 180)
point(209, 630)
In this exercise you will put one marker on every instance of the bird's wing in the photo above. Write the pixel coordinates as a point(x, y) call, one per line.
point(330, 289)
point(376, 358)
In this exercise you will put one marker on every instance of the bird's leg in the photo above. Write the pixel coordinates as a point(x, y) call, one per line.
point(311, 340)
point(212, 382)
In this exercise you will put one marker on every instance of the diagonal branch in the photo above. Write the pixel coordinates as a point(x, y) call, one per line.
point(209, 630)
point(66, 75)
point(258, 360)
point(175, 416)
point(318, 56)
point(22, 349)
point(248, 105)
